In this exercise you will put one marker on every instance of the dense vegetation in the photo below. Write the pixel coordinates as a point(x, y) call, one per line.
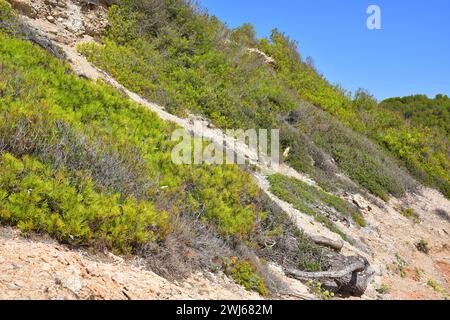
point(423, 111)
point(172, 53)
point(420, 148)
point(244, 274)
point(33, 197)
point(37, 110)
point(86, 165)
point(323, 206)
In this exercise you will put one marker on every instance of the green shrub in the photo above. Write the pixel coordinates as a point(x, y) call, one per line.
point(419, 147)
point(100, 173)
point(434, 285)
point(283, 242)
point(437, 288)
point(308, 198)
point(35, 198)
point(421, 110)
point(422, 246)
point(399, 266)
point(383, 289)
point(411, 214)
point(125, 148)
point(245, 274)
point(94, 169)
point(309, 255)
point(6, 12)
point(319, 291)
point(189, 61)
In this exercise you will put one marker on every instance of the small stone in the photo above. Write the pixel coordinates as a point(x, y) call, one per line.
point(13, 286)
point(19, 284)
point(361, 202)
point(51, 19)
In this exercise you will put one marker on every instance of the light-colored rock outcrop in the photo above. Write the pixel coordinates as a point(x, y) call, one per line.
point(77, 17)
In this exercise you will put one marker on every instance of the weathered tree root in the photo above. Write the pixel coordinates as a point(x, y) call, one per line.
point(336, 245)
point(353, 279)
point(301, 275)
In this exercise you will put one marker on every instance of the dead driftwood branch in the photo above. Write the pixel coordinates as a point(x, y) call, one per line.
point(358, 266)
point(336, 245)
point(352, 279)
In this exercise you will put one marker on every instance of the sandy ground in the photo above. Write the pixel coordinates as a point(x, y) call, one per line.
point(44, 269)
point(391, 239)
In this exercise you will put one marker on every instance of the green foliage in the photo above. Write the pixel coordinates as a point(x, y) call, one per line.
point(437, 288)
point(399, 265)
point(301, 76)
point(309, 199)
point(35, 198)
point(333, 146)
point(419, 272)
point(89, 167)
point(36, 86)
point(319, 291)
point(245, 274)
point(423, 141)
point(421, 149)
point(411, 214)
point(383, 289)
point(433, 284)
point(6, 12)
point(245, 35)
point(309, 255)
point(423, 246)
point(313, 196)
point(186, 60)
point(285, 244)
point(423, 111)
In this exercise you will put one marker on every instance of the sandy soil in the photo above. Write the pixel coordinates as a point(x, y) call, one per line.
point(44, 269)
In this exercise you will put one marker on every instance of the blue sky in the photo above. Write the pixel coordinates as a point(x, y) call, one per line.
point(409, 55)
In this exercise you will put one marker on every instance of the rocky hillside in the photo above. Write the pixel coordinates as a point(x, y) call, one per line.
point(341, 197)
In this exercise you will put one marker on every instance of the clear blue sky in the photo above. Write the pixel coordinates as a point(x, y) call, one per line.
point(411, 54)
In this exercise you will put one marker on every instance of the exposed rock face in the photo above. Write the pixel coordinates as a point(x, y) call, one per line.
point(267, 59)
point(361, 202)
point(26, 7)
point(79, 17)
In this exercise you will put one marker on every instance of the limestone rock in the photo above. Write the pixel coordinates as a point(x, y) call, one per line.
point(361, 202)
